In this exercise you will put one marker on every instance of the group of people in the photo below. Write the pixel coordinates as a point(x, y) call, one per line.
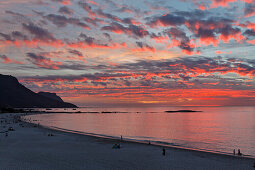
point(238, 153)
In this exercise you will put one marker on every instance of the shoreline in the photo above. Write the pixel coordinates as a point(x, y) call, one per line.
point(132, 150)
point(153, 143)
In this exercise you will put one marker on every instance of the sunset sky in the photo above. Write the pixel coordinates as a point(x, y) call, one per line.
point(132, 52)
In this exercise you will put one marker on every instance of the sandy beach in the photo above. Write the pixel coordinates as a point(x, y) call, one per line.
point(31, 147)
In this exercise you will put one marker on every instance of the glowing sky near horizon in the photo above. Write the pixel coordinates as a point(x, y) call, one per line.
point(129, 52)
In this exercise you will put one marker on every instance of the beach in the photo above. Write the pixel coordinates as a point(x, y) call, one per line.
point(33, 147)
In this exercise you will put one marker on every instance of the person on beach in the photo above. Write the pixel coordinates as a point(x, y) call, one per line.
point(164, 152)
point(234, 151)
point(116, 146)
point(239, 152)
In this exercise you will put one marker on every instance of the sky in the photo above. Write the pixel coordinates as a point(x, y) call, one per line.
point(132, 52)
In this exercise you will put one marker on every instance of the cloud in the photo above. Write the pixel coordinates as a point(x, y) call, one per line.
point(42, 61)
point(166, 20)
point(87, 8)
point(183, 73)
point(6, 36)
point(180, 39)
point(63, 2)
point(249, 33)
point(78, 54)
point(65, 10)
point(88, 40)
point(197, 78)
point(38, 32)
point(18, 35)
point(101, 14)
point(249, 9)
point(222, 3)
point(7, 60)
point(132, 30)
point(93, 21)
point(62, 21)
point(144, 47)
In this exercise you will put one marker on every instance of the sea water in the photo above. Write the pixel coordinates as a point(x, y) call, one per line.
point(215, 128)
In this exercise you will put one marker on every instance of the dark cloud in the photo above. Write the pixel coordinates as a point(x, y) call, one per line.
point(166, 20)
point(87, 39)
point(133, 30)
point(38, 32)
point(194, 14)
point(189, 73)
point(211, 23)
point(15, 14)
point(180, 36)
point(205, 33)
point(249, 33)
point(249, 9)
point(65, 10)
point(138, 31)
point(42, 61)
point(14, 36)
point(91, 41)
point(143, 45)
point(103, 14)
point(128, 21)
point(19, 35)
point(62, 21)
point(114, 27)
point(86, 7)
point(107, 36)
point(93, 21)
point(6, 36)
point(75, 52)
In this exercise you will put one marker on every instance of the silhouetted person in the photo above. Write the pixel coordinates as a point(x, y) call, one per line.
point(234, 151)
point(239, 152)
point(164, 152)
point(121, 137)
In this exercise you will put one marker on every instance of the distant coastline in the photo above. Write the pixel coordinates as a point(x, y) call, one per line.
point(181, 111)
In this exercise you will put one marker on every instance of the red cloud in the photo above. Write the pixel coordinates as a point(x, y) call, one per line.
point(249, 25)
point(66, 2)
point(42, 61)
point(251, 42)
point(222, 3)
point(222, 52)
point(7, 60)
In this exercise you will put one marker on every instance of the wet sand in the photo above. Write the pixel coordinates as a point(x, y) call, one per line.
point(31, 147)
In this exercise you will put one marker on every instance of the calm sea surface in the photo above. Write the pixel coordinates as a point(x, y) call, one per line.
point(216, 128)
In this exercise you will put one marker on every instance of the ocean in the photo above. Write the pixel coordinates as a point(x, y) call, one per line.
point(214, 129)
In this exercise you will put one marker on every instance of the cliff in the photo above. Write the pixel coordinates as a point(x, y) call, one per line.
point(13, 94)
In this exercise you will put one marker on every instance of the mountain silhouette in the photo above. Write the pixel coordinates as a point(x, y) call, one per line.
point(50, 95)
point(15, 95)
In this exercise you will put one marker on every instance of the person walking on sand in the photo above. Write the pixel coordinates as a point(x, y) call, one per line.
point(234, 151)
point(164, 152)
point(239, 152)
